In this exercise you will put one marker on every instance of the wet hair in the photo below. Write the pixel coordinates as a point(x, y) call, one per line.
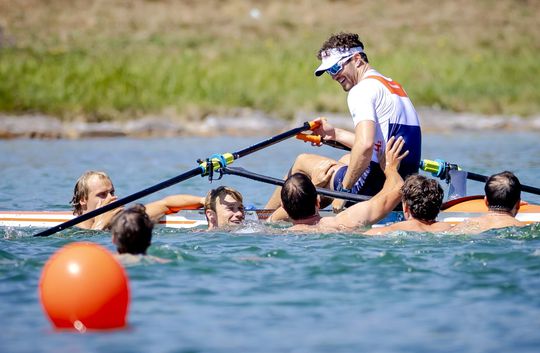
point(342, 40)
point(214, 194)
point(299, 196)
point(424, 196)
point(503, 191)
point(132, 230)
point(80, 191)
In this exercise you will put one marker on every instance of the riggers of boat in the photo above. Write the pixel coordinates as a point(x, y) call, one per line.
point(454, 211)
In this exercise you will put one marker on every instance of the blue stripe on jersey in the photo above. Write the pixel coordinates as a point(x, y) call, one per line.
point(413, 143)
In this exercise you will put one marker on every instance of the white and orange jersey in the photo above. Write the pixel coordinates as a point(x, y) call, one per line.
point(384, 101)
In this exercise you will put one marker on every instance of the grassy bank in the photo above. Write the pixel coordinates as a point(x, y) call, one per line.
point(103, 61)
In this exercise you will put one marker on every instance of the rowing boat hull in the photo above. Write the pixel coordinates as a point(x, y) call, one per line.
point(48, 219)
point(453, 212)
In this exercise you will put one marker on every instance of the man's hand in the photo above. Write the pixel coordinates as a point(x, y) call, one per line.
point(338, 205)
point(325, 130)
point(103, 220)
point(392, 156)
point(323, 172)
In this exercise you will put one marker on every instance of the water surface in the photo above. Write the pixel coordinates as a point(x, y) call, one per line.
point(255, 291)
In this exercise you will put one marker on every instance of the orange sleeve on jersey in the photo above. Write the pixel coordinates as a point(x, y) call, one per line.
point(392, 86)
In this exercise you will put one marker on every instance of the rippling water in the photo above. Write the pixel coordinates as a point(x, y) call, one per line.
point(255, 291)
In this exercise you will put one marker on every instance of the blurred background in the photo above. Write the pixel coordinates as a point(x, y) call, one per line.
point(97, 60)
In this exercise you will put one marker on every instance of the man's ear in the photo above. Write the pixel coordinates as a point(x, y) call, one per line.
point(359, 62)
point(318, 202)
point(84, 204)
point(517, 206)
point(406, 210)
point(485, 202)
point(211, 217)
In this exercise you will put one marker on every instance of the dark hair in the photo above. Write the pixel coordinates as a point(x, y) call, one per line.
point(503, 191)
point(424, 197)
point(299, 196)
point(132, 230)
point(342, 40)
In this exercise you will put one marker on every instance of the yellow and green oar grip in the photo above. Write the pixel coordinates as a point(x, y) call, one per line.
point(431, 166)
point(218, 161)
point(315, 139)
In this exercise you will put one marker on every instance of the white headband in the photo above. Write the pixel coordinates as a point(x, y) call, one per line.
point(331, 56)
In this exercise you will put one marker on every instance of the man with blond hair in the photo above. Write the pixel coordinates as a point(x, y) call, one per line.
point(95, 189)
point(224, 207)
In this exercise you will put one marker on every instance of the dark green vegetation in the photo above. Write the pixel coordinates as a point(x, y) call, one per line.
point(122, 59)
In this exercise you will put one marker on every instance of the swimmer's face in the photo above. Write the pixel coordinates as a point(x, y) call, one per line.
point(100, 192)
point(229, 211)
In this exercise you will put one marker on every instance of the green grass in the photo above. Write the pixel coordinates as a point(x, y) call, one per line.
point(120, 79)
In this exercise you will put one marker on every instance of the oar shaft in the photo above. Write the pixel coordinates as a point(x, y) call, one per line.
point(484, 178)
point(274, 181)
point(273, 140)
point(317, 141)
point(439, 167)
point(477, 177)
point(120, 202)
point(200, 170)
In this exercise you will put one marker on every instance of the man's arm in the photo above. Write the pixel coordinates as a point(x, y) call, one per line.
point(331, 133)
point(158, 209)
point(361, 153)
point(278, 215)
point(373, 210)
point(103, 221)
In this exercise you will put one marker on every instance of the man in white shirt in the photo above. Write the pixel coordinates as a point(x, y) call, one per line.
point(380, 109)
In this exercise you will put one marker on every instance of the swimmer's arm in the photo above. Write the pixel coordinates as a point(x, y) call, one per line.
point(278, 215)
point(160, 208)
point(369, 212)
point(103, 221)
point(360, 157)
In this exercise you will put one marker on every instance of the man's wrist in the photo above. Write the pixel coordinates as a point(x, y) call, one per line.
point(341, 188)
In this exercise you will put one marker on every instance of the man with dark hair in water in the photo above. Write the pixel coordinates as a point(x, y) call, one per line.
point(503, 198)
point(299, 199)
point(421, 200)
point(131, 230)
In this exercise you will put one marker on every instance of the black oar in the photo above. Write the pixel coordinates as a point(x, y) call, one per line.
point(269, 180)
point(440, 168)
point(437, 167)
point(216, 161)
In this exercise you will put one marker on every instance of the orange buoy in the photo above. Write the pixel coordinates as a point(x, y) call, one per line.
point(83, 286)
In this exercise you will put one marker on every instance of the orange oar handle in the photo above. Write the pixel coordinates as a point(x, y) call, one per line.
point(314, 124)
point(314, 139)
point(172, 210)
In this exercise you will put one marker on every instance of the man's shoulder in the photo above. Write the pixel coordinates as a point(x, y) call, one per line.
point(367, 88)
